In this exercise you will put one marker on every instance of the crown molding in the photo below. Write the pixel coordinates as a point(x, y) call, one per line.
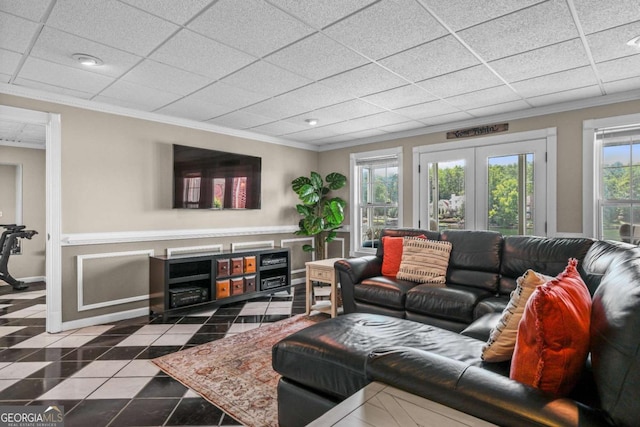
point(70, 101)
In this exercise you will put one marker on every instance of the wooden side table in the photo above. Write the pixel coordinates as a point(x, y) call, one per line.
point(322, 271)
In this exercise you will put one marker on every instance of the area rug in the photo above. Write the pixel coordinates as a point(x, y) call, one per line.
point(235, 373)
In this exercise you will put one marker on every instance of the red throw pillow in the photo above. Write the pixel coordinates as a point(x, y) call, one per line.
point(392, 254)
point(553, 335)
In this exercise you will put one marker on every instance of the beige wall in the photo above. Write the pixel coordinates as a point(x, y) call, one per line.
point(117, 176)
point(8, 193)
point(31, 263)
point(569, 134)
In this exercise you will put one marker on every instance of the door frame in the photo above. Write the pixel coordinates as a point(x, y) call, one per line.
point(550, 136)
point(53, 163)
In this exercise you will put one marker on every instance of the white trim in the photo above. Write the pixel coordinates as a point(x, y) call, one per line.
point(248, 246)
point(144, 115)
point(81, 239)
point(31, 145)
point(104, 319)
point(300, 239)
point(32, 279)
point(194, 249)
point(341, 239)
point(590, 165)
point(80, 279)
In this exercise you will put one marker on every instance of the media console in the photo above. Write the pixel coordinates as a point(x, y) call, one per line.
point(183, 283)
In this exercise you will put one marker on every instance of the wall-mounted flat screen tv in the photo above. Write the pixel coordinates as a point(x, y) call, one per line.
point(210, 179)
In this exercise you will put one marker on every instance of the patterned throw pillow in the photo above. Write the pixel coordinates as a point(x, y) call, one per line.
point(502, 339)
point(553, 334)
point(424, 261)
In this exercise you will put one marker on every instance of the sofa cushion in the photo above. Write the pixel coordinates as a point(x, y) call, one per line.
point(475, 258)
point(392, 255)
point(553, 335)
point(502, 340)
point(451, 302)
point(384, 291)
point(424, 261)
point(494, 304)
point(545, 255)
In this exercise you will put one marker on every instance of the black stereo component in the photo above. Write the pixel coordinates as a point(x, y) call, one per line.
point(187, 296)
point(273, 282)
point(266, 261)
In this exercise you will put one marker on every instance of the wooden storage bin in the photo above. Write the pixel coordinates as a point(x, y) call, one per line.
point(250, 283)
point(223, 288)
point(222, 266)
point(237, 286)
point(236, 266)
point(250, 264)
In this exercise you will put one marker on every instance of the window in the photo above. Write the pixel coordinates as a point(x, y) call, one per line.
point(376, 197)
point(618, 183)
point(611, 178)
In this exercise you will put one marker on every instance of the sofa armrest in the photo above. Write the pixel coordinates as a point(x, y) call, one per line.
point(353, 271)
point(476, 391)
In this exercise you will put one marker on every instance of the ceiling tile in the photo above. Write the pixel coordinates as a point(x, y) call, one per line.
point(459, 14)
point(195, 109)
point(250, 25)
point(426, 110)
point(9, 61)
point(463, 81)
point(376, 120)
point(386, 28)
point(484, 97)
point(619, 69)
point(312, 134)
point(365, 80)
point(227, 95)
point(276, 108)
point(320, 13)
point(597, 15)
point(279, 128)
point(267, 79)
point(523, 31)
point(198, 54)
point(16, 33)
point(447, 118)
point(505, 107)
point(569, 95)
point(52, 88)
point(4, 78)
point(144, 97)
point(557, 82)
point(139, 104)
point(623, 85)
point(612, 44)
point(400, 127)
point(315, 96)
point(550, 59)
point(57, 46)
point(338, 112)
point(164, 77)
point(66, 77)
point(240, 120)
point(175, 11)
point(317, 57)
point(431, 59)
point(112, 23)
point(32, 9)
point(400, 97)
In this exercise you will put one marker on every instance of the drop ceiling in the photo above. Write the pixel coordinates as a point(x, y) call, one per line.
point(366, 70)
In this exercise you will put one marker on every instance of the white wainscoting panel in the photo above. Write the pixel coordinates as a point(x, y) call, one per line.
point(251, 246)
point(194, 250)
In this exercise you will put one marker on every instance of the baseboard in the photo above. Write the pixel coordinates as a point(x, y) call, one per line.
point(33, 279)
point(105, 318)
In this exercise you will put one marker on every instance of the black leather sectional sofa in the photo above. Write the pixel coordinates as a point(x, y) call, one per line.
point(428, 340)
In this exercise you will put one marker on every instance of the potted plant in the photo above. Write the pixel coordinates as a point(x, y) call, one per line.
point(321, 214)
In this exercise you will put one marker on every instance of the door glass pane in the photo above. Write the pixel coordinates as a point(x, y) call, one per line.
point(510, 190)
point(446, 195)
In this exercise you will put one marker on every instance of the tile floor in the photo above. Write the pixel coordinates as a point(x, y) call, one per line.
point(102, 374)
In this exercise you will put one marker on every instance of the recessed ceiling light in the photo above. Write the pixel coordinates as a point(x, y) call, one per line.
point(312, 122)
point(88, 60)
point(635, 42)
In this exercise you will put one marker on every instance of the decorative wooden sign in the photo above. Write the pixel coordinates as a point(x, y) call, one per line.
point(478, 130)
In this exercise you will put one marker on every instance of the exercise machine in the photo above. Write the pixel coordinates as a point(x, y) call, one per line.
point(9, 245)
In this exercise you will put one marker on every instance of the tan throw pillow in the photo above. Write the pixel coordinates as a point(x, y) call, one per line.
point(424, 261)
point(502, 340)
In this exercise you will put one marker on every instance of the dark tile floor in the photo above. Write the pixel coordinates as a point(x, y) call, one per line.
point(102, 374)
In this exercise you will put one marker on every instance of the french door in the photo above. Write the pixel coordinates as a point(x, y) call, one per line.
point(499, 187)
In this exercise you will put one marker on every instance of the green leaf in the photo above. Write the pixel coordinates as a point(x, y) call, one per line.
point(316, 180)
point(336, 180)
point(307, 193)
point(332, 235)
point(334, 212)
point(304, 210)
point(307, 248)
point(297, 183)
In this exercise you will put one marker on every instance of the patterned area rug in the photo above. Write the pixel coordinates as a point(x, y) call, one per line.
point(235, 373)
